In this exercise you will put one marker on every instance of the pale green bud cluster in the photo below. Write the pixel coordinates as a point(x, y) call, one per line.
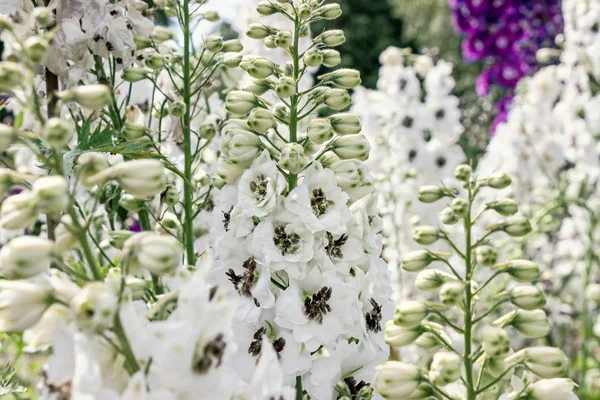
point(471, 290)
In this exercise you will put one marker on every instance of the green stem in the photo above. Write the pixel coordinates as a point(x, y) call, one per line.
point(293, 178)
point(85, 246)
point(585, 321)
point(130, 362)
point(299, 390)
point(188, 201)
point(468, 361)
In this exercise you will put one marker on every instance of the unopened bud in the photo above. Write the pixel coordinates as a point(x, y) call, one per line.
point(344, 78)
point(329, 11)
point(292, 158)
point(396, 380)
point(44, 17)
point(285, 87)
point(90, 96)
point(426, 235)
point(332, 38)
point(267, 8)
point(52, 193)
point(258, 31)
point(498, 180)
point(399, 336)
point(18, 211)
point(320, 130)
point(133, 131)
point(345, 124)
point(527, 297)
point(94, 307)
point(448, 217)
point(118, 238)
point(232, 46)
point(261, 120)
point(463, 172)
point(36, 49)
point(11, 74)
point(152, 252)
point(545, 362)
point(214, 44)
point(232, 60)
point(431, 193)
point(506, 207)
point(57, 132)
point(486, 255)
point(331, 58)
point(418, 260)
point(445, 368)
point(460, 207)
point(171, 196)
point(155, 61)
point(161, 34)
point(313, 58)
point(240, 103)
point(26, 256)
point(141, 178)
point(283, 39)
point(177, 108)
point(352, 147)
point(520, 270)
point(531, 324)
point(495, 342)
point(211, 16)
point(430, 280)
point(410, 314)
point(451, 293)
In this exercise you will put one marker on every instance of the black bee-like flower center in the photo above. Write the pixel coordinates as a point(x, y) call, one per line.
point(334, 246)
point(212, 354)
point(286, 243)
point(259, 187)
point(319, 202)
point(243, 283)
point(373, 317)
point(316, 307)
point(255, 347)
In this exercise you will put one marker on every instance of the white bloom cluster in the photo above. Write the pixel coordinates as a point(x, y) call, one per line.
point(296, 227)
point(413, 123)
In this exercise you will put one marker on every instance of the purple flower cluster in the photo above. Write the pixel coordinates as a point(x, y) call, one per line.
point(506, 34)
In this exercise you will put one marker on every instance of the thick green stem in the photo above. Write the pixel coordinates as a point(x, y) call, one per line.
point(467, 356)
point(130, 361)
point(293, 178)
point(188, 201)
point(85, 246)
point(299, 390)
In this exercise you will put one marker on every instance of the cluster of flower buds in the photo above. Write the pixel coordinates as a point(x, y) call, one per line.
point(295, 227)
point(469, 294)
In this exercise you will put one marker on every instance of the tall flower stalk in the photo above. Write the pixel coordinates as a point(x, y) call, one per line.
point(295, 228)
point(474, 288)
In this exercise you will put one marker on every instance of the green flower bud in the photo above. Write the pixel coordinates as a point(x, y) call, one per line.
point(545, 362)
point(177, 108)
point(495, 342)
point(258, 31)
point(527, 297)
point(396, 380)
point(44, 17)
point(426, 235)
point(240, 103)
point(134, 74)
point(320, 130)
point(232, 46)
point(281, 112)
point(214, 44)
point(448, 217)
point(352, 147)
point(486, 255)
point(285, 87)
point(417, 260)
point(445, 368)
point(431, 193)
point(57, 132)
point(523, 270)
point(344, 78)
point(304, 11)
point(531, 324)
point(463, 172)
point(313, 58)
point(171, 196)
point(399, 336)
point(232, 60)
point(331, 58)
point(283, 39)
point(211, 16)
point(460, 207)
point(117, 238)
point(267, 8)
point(329, 11)
point(506, 207)
point(292, 158)
point(409, 314)
point(133, 131)
point(270, 42)
point(142, 43)
point(261, 120)
point(499, 180)
point(52, 194)
point(331, 38)
point(36, 49)
point(161, 34)
point(345, 124)
point(517, 226)
point(337, 99)
point(256, 67)
point(451, 293)
point(90, 96)
point(155, 61)
point(11, 74)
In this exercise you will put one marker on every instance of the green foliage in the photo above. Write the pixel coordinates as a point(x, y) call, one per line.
point(370, 27)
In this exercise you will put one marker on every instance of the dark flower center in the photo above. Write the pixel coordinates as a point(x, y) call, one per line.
point(440, 114)
point(319, 202)
point(334, 246)
point(255, 347)
point(259, 187)
point(243, 283)
point(227, 219)
point(211, 354)
point(408, 122)
point(315, 306)
point(287, 244)
point(373, 317)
